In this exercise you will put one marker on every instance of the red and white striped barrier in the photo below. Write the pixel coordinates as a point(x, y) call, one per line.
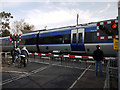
point(69, 56)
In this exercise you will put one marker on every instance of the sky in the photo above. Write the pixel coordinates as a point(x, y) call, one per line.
point(59, 14)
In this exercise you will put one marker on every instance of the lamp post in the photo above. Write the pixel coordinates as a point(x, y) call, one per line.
point(77, 19)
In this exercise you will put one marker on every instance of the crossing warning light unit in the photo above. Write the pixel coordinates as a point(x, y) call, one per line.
point(15, 38)
point(107, 29)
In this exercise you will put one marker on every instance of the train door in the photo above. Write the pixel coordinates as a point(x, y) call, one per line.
point(77, 40)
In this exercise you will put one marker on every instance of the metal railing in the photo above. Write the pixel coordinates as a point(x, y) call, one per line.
point(112, 74)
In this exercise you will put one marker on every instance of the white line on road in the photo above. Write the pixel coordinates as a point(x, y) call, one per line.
point(23, 75)
point(79, 78)
point(62, 65)
point(15, 72)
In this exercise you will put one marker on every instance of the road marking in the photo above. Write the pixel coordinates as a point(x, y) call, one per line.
point(62, 65)
point(22, 76)
point(39, 69)
point(79, 78)
point(59, 65)
point(39, 62)
point(16, 72)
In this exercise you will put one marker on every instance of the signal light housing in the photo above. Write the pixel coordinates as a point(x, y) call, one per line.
point(101, 27)
point(108, 32)
point(107, 29)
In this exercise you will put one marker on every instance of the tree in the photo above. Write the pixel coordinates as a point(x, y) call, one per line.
point(17, 26)
point(5, 23)
point(5, 33)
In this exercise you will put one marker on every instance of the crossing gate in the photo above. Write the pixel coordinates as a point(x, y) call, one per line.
point(69, 56)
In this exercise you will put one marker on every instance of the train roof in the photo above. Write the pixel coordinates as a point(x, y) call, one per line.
point(63, 28)
point(75, 26)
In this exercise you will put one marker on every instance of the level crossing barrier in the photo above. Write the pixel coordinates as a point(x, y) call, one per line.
point(69, 56)
point(81, 60)
point(6, 54)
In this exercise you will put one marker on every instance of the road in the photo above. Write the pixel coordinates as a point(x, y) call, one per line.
point(47, 73)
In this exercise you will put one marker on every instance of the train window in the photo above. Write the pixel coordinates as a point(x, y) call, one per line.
point(67, 38)
point(51, 39)
point(74, 38)
point(30, 41)
point(80, 38)
point(22, 41)
point(57, 39)
point(91, 37)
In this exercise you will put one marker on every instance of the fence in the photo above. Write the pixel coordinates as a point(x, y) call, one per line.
point(112, 74)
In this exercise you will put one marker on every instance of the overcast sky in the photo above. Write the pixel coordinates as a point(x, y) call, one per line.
point(59, 14)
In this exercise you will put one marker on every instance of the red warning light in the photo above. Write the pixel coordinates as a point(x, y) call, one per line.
point(114, 26)
point(101, 27)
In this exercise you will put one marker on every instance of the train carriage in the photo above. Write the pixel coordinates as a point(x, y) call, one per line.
point(81, 39)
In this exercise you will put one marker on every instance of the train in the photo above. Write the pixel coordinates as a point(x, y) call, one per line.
point(79, 39)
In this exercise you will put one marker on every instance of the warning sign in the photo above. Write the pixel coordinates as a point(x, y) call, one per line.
point(15, 38)
point(115, 44)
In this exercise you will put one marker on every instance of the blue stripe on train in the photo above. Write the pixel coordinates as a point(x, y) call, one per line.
point(91, 29)
point(29, 36)
point(47, 34)
point(55, 33)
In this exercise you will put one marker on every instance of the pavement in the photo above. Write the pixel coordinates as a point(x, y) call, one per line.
point(45, 73)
